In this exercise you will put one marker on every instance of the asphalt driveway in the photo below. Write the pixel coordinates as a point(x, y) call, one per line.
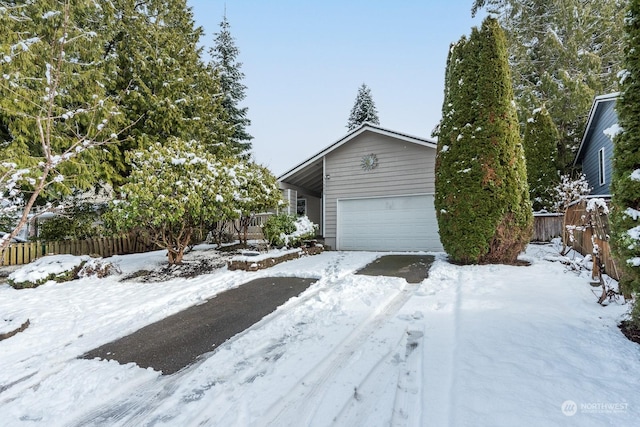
point(413, 268)
point(179, 340)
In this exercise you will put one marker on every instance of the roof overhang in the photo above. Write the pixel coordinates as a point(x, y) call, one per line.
point(598, 100)
point(309, 174)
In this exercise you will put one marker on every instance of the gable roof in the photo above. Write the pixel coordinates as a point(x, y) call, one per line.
point(597, 102)
point(365, 127)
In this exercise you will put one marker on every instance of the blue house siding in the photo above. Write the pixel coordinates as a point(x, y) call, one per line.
point(602, 116)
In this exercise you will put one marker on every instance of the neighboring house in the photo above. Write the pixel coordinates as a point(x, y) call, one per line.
point(373, 189)
point(596, 148)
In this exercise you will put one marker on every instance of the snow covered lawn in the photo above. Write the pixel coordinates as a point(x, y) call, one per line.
point(472, 345)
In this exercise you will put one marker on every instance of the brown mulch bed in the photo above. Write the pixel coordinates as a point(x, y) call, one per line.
point(631, 331)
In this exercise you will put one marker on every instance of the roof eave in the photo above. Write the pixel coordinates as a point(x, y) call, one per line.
point(596, 102)
point(357, 131)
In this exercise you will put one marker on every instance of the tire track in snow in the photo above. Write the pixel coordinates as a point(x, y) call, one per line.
point(138, 406)
point(144, 402)
point(407, 407)
point(440, 358)
point(301, 403)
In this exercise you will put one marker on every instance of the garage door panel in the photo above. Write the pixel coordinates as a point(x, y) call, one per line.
point(403, 223)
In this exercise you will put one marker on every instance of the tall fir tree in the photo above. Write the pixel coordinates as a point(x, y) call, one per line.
point(482, 197)
point(541, 148)
point(169, 91)
point(364, 109)
point(562, 53)
point(224, 56)
point(625, 183)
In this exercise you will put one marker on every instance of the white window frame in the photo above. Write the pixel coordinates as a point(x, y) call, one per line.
point(601, 167)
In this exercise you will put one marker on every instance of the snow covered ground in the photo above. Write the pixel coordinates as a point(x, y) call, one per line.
point(469, 346)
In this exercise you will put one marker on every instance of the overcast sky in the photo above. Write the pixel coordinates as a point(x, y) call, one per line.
point(304, 61)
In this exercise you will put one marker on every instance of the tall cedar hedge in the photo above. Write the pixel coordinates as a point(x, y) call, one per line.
point(482, 197)
point(625, 183)
point(540, 142)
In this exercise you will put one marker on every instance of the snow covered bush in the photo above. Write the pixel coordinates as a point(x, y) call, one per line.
point(58, 268)
point(287, 230)
point(570, 190)
point(258, 193)
point(172, 190)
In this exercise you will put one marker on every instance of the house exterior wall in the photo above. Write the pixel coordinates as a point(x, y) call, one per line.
point(291, 195)
point(604, 117)
point(403, 168)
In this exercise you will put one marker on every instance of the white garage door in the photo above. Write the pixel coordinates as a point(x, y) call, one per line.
point(402, 223)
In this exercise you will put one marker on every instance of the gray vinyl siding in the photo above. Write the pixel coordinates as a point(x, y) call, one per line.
point(604, 117)
point(291, 194)
point(404, 168)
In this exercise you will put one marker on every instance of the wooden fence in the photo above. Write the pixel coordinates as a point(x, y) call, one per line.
point(547, 226)
point(582, 233)
point(254, 230)
point(24, 253)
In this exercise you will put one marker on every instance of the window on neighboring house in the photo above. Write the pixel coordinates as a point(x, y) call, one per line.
point(601, 168)
point(302, 207)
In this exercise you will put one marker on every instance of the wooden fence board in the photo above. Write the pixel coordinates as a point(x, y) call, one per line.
point(547, 227)
point(23, 253)
point(581, 237)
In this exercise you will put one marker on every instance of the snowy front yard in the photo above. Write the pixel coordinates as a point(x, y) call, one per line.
point(473, 345)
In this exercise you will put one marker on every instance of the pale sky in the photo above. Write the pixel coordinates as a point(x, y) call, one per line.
point(304, 61)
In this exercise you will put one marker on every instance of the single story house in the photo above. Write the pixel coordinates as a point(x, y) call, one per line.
point(373, 189)
point(596, 147)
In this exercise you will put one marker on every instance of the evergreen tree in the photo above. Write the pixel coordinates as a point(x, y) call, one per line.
point(541, 148)
point(562, 53)
point(53, 102)
point(224, 54)
point(482, 197)
point(169, 91)
point(625, 183)
point(364, 109)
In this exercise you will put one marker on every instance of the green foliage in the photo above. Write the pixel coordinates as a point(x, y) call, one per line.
point(53, 98)
point(224, 55)
point(482, 197)
point(167, 90)
point(81, 221)
point(173, 189)
point(276, 227)
point(363, 110)
point(625, 183)
point(541, 148)
point(562, 53)
point(258, 193)
point(7, 222)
